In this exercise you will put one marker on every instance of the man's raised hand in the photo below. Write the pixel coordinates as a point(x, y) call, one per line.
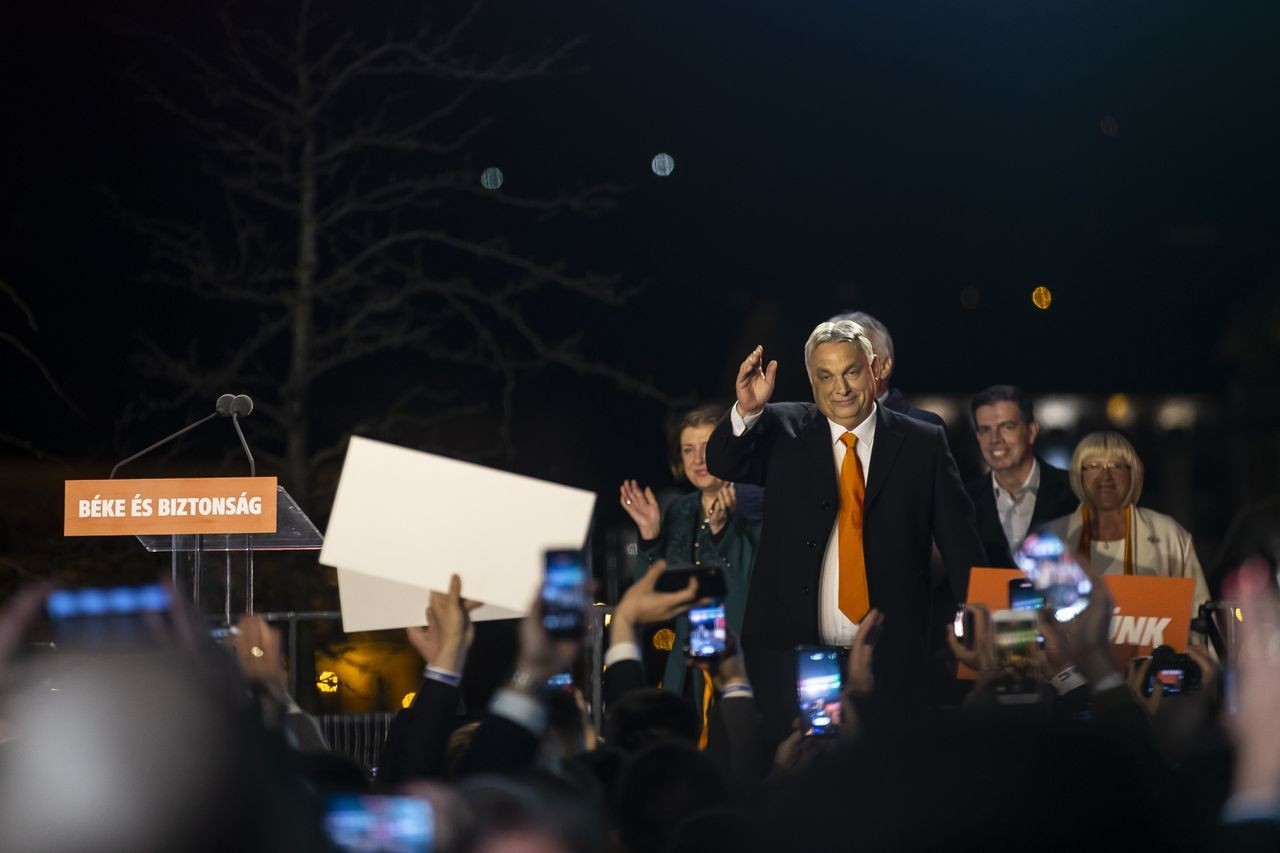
point(755, 382)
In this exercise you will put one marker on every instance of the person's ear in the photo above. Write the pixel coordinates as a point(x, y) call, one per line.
point(883, 367)
point(1033, 432)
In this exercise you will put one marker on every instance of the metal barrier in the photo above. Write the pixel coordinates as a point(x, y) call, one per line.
point(592, 666)
point(357, 736)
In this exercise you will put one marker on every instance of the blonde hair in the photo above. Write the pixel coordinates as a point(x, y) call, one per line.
point(1111, 445)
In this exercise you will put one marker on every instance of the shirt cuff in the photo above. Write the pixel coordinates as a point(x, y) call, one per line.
point(741, 424)
point(520, 709)
point(620, 652)
point(444, 676)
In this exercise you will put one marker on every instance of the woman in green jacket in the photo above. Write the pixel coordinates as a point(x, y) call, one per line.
point(702, 527)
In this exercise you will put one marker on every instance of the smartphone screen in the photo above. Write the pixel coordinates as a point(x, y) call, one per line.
point(706, 631)
point(818, 683)
point(387, 824)
point(119, 617)
point(1055, 575)
point(564, 593)
point(1023, 595)
point(1015, 636)
point(561, 681)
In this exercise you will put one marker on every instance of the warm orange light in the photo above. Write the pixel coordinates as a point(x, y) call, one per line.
point(408, 700)
point(1042, 297)
point(664, 639)
point(327, 682)
point(1120, 410)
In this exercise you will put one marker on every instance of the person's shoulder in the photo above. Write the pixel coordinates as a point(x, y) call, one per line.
point(797, 416)
point(909, 426)
point(926, 416)
point(1160, 521)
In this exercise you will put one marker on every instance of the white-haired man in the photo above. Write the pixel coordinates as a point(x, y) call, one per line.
point(855, 497)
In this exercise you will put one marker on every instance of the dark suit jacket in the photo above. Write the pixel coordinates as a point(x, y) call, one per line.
point(1054, 500)
point(418, 735)
point(914, 498)
point(895, 402)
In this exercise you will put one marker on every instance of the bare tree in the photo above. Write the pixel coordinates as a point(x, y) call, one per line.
point(13, 343)
point(345, 235)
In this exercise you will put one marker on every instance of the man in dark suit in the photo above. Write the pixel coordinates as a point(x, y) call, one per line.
point(1022, 491)
point(840, 539)
point(882, 344)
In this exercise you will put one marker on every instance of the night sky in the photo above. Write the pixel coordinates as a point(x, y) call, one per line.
point(929, 163)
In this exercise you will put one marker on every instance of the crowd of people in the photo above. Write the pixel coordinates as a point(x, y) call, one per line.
point(840, 527)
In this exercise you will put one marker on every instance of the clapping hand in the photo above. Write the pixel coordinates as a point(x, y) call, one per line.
point(722, 507)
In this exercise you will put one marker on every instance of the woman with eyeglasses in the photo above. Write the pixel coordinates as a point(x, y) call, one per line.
point(1109, 532)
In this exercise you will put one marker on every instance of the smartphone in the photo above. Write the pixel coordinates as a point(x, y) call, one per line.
point(382, 823)
point(963, 626)
point(121, 617)
point(1054, 573)
point(818, 684)
point(1023, 595)
point(710, 577)
point(561, 681)
point(564, 593)
point(1015, 636)
point(706, 631)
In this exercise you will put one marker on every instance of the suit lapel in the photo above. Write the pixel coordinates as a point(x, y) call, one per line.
point(816, 438)
point(887, 443)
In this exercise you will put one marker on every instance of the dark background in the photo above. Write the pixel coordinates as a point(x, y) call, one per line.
point(929, 163)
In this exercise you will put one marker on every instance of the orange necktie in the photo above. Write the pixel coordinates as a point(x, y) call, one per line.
point(853, 598)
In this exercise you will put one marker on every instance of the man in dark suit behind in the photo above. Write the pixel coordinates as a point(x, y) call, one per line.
point(912, 497)
point(1021, 492)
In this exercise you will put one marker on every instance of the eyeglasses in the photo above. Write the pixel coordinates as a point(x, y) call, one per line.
point(1097, 467)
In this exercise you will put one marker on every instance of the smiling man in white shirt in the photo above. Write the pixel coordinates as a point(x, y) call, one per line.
point(1021, 491)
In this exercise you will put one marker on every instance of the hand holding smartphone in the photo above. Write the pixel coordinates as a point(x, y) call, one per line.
point(706, 632)
point(818, 685)
point(563, 602)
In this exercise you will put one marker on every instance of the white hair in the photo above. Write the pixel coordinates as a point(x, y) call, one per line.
point(879, 333)
point(837, 331)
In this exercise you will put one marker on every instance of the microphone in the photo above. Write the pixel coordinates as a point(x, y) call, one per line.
point(241, 405)
point(224, 402)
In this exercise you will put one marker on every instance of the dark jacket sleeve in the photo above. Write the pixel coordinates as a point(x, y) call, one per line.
point(740, 459)
point(736, 743)
point(418, 735)
point(500, 746)
point(621, 678)
point(955, 529)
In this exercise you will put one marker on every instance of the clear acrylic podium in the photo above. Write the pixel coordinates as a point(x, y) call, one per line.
point(195, 552)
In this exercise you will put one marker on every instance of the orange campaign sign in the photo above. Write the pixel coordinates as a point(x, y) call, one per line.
point(180, 505)
point(1147, 611)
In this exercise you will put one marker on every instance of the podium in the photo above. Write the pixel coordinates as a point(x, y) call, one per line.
point(194, 520)
point(294, 532)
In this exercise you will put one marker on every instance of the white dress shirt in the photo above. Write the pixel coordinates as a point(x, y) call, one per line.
point(1014, 508)
point(834, 627)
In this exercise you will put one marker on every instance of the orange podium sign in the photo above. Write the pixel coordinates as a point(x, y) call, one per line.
point(1147, 611)
point(175, 506)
